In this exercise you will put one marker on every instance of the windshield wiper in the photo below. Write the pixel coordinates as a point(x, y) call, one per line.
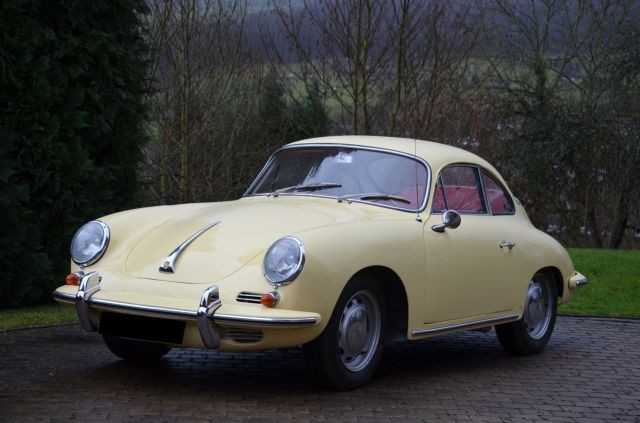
point(374, 196)
point(306, 187)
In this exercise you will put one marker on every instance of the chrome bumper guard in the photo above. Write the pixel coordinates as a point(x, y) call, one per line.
point(89, 285)
point(209, 303)
point(578, 280)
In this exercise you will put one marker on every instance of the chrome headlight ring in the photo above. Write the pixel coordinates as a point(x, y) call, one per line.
point(284, 261)
point(90, 242)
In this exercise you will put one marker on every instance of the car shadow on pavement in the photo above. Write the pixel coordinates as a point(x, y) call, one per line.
point(285, 370)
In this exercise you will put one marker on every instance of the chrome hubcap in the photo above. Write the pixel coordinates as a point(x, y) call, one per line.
point(537, 309)
point(359, 331)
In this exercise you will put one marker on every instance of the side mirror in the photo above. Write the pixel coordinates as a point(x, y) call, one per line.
point(450, 219)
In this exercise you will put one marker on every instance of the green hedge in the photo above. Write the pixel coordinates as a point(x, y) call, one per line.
point(72, 82)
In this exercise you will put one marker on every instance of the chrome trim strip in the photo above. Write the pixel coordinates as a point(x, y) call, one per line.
point(493, 320)
point(168, 264)
point(151, 311)
point(66, 298)
point(420, 160)
point(265, 321)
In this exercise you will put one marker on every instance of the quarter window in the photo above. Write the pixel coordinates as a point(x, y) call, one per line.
point(497, 197)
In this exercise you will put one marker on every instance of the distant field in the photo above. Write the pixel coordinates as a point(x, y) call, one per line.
point(614, 283)
point(613, 290)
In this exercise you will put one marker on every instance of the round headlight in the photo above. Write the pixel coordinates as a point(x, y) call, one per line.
point(90, 243)
point(284, 260)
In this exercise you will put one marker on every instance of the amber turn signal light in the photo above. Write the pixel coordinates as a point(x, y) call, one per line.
point(270, 299)
point(72, 279)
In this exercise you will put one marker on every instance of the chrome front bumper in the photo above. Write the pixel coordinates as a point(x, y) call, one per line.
point(204, 315)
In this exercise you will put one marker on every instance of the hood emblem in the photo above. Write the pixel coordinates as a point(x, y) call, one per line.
point(168, 264)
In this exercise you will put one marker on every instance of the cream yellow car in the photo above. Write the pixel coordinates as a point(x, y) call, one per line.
point(341, 244)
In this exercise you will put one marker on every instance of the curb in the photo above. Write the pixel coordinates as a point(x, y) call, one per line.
point(596, 317)
point(52, 325)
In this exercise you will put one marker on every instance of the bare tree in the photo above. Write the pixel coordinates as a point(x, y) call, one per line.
point(570, 147)
point(199, 50)
point(385, 66)
point(609, 144)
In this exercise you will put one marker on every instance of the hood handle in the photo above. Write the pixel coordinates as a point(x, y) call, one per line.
point(168, 264)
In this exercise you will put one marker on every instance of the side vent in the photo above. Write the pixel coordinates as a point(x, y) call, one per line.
point(243, 336)
point(249, 297)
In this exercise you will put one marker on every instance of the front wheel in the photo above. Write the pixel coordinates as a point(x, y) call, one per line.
point(530, 334)
point(347, 353)
point(131, 350)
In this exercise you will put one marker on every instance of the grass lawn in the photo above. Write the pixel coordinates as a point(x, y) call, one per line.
point(614, 283)
point(613, 290)
point(32, 316)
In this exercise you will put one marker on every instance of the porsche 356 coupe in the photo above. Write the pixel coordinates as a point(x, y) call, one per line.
point(341, 244)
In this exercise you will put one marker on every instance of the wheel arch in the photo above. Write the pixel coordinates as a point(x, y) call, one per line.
point(555, 273)
point(395, 297)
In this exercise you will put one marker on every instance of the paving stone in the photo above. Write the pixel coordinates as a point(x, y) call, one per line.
point(590, 371)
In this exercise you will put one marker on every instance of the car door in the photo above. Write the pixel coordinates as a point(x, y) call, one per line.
point(468, 273)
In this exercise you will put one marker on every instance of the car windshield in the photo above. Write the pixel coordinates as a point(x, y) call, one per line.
point(347, 174)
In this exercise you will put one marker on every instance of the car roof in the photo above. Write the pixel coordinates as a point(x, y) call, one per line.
point(436, 154)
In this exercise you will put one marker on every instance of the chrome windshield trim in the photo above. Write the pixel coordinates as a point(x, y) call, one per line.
point(168, 264)
point(265, 321)
point(418, 159)
point(151, 311)
point(493, 320)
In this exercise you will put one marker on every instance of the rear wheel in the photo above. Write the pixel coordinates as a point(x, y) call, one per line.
point(530, 334)
point(347, 353)
point(131, 350)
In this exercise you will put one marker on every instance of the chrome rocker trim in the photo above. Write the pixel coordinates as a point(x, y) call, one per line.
point(493, 320)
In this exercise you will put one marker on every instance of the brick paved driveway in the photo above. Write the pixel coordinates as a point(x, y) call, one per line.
point(590, 371)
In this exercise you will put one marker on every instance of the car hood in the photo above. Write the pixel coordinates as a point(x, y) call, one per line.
point(246, 228)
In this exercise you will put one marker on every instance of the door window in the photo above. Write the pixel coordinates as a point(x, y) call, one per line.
point(460, 189)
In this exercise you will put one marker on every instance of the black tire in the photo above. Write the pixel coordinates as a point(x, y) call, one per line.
point(356, 324)
point(130, 350)
point(530, 334)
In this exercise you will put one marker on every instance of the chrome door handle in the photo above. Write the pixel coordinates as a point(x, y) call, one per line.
point(508, 244)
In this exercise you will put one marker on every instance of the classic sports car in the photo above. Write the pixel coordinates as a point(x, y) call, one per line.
point(341, 244)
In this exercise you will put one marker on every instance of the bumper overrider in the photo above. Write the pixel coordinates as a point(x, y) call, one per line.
point(205, 315)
